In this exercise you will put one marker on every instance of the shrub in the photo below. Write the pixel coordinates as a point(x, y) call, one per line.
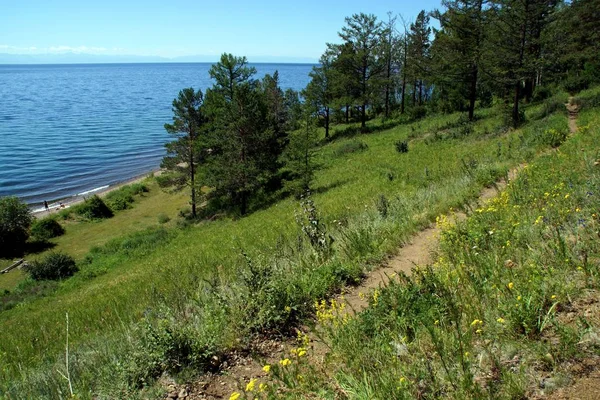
point(15, 219)
point(47, 228)
point(94, 208)
point(54, 266)
point(351, 147)
point(163, 218)
point(121, 199)
point(554, 137)
point(541, 93)
point(402, 146)
point(418, 112)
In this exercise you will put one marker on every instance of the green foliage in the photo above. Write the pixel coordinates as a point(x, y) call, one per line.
point(46, 228)
point(123, 198)
point(54, 266)
point(554, 137)
point(163, 218)
point(401, 146)
point(183, 156)
point(298, 158)
point(15, 219)
point(93, 208)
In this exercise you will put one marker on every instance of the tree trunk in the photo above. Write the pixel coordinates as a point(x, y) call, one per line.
point(473, 92)
point(414, 94)
point(363, 112)
point(326, 122)
point(363, 118)
point(244, 203)
point(404, 75)
point(515, 111)
point(192, 176)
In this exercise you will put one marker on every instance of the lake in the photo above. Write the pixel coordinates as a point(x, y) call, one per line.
point(70, 129)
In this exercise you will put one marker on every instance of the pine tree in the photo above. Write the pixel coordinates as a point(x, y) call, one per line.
point(363, 33)
point(319, 93)
point(457, 50)
point(418, 52)
point(298, 157)
point(183, 154)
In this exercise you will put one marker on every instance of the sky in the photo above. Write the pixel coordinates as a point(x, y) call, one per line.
point(175, 28)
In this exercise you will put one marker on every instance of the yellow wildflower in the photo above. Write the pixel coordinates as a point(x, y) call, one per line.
point(402, 379)
point(500, 320)
point(479, 331)
point(250, 385)
point(266, 368)
point(511, 285)
point(301, 352)
point(519, 298)
point(285, 362)
point(234, 396)
point(262, 387)
point(437, 322)
point(553, 297)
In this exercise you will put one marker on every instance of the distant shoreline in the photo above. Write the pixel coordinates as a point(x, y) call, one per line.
point(38, 211)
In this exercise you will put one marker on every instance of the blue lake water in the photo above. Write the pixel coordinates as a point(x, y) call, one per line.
point(69, 129)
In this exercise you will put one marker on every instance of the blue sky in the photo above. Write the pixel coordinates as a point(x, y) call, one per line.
point(173, 28)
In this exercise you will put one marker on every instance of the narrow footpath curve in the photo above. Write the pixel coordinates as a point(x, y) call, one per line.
point(419, 250)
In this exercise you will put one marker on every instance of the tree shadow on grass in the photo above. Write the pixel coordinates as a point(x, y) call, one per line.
point(37, 246)
point(332, 185)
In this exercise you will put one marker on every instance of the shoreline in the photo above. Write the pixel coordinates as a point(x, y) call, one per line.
point(38, 211)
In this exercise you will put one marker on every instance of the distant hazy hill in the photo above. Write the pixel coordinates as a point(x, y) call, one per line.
point(80, 58)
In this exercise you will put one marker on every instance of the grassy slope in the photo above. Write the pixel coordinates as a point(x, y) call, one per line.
point(80, 237)
point(117, 288)
point(504, 311)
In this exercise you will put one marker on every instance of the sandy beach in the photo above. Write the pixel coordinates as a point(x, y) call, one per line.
point(55, 206)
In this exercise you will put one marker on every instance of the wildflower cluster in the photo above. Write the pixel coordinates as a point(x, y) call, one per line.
point(332, 313)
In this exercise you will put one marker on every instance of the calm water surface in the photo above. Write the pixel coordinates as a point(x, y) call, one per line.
point(70, 129)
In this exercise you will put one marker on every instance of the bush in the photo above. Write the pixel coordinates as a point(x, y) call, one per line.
point(121, 199)
point(351, 147)
point(402, 146)
point(15, 219)
point(94, 208)
point(418, 112)
point(554, 137)
point(47, 228)
point(53, 267)
point(163, 218)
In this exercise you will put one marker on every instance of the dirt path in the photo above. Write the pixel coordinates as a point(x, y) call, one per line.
point(573, 110)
